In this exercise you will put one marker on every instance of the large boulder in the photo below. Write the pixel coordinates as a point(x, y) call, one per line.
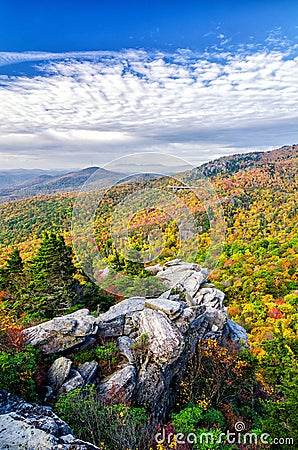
point(171, 308)
point(63, 378)
point(74, 381)
point(187, 276)
point(88, 371)
point(125, 345)
point(165, 341)
point(234, 334)
point(119, 388)
point(31, 427)
point(62, 333)
point(127, 306)
point(118, 320)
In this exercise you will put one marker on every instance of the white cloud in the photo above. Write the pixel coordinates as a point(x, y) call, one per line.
point(95, 106)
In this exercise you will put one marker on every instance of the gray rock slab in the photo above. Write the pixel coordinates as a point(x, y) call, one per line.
point(74, 381)
point(233, 332)
point(62, 333)
point(122, 308)
point(120, 386)
point(124, 344)
point(187, 276)
point(88, 371)
point(26, 426)
point(58, 372)
point(169, 307)
point(112, 327)
point(165, 341)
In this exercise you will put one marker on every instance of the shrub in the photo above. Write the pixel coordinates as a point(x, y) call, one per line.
point(205, 425)
point(11, 337)
point(107, 356)
point(19, 364)
point(83, 356)
point(118, 426)
point(139, 348)
point(220, 375)
point(18, 371)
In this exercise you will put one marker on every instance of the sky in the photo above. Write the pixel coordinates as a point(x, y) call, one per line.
point(82, 83)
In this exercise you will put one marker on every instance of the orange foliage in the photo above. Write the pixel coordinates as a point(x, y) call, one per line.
point(11, 337)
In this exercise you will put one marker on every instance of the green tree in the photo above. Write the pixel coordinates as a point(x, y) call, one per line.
point(14, 262)
point(12, 276)
point(52, 287)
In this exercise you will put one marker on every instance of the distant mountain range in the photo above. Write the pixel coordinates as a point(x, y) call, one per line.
point(15, 176)
point(18, 184)
point(21, 183)
point(242, 182)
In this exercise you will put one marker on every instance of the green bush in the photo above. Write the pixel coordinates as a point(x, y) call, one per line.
point(18, 370)
point(83, 356)
point(187, 420)
point(107, 356)
point(281, 419)
point(107, 351)
point(213, 417)
point(118, 426)
point(206, 425)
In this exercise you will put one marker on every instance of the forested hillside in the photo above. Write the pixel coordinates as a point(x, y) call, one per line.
point(258, 266)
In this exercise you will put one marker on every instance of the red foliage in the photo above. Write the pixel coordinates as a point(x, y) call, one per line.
point(275, 313)
point(280, 301)
point(228, 263)
point(11, 336)
point(41, 374)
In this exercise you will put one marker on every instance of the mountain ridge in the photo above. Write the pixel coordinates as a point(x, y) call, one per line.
point(38, 182)
point(233, 163)
point(45, 184)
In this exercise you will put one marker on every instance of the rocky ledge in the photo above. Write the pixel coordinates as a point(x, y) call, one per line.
point(32, 427)
point(166, 331)
point(156, 337)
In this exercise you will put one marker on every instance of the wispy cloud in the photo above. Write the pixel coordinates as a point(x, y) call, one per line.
point(93, 106)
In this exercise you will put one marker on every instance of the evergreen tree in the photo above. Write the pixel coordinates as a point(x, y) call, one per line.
point(12, 276)
point(52, 287)
point(14, 262)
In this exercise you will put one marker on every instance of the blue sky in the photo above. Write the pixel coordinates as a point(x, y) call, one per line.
point(83, 82)
point(61, 26)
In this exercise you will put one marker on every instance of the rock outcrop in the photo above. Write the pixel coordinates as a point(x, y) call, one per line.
point(156, 338)
point(32, 427)
point(62, 333)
